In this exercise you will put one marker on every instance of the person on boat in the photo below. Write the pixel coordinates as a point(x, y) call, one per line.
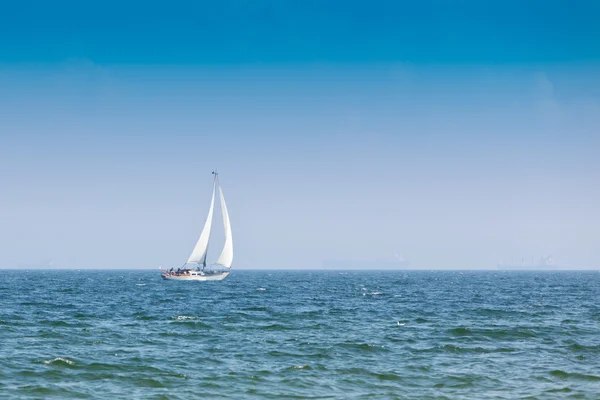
point(171, 271)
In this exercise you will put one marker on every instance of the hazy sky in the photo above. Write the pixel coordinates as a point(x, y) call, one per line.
point(457, 134)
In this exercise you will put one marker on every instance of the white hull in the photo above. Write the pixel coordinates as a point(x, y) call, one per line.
point(211, 277)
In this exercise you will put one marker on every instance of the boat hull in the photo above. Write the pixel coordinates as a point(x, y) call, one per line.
point(209, 277)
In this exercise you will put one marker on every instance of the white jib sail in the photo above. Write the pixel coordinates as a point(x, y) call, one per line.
point(226, 257)
point(199, 254)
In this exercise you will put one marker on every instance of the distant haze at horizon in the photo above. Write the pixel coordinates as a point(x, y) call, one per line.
point(456, 147)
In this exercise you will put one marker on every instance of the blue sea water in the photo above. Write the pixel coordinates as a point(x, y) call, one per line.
point(300, 335)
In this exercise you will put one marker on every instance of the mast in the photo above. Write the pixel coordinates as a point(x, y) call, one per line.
point(215, 173)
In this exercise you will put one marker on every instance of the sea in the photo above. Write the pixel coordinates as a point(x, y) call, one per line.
point(119, 334)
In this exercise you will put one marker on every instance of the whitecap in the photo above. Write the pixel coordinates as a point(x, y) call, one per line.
point(261, 288)
point(184, 317)
point(59, 360)
point(376, 293)
point(140, 284)
point(301, 367)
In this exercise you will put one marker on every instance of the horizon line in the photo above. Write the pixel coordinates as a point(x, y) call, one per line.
point(315, 269)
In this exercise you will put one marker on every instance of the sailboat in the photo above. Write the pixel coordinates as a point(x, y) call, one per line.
point(195, 268)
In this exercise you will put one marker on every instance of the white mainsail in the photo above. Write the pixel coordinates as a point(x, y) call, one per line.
point(199, 253)
point(226, 257)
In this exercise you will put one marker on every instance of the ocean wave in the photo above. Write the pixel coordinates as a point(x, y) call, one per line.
point(191, 323)
point(476, 349)
point(256, 308)
point(184, 317)
point(48, 334)
point(500, 333)
point(576, 347)
point(149, 383)
point(574, 375)
point(47, 392)
point(364, 346)
point(303, 367)
point(56, 324)
point(276, 327)
point(386, 376)
point(560, 390)
point(60, 362)
point(460, 331)
point(145, 317)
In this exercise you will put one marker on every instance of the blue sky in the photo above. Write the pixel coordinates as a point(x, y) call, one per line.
point(457, 134)
point(282, 31)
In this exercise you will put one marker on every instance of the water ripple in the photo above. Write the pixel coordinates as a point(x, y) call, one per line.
point(273, 335)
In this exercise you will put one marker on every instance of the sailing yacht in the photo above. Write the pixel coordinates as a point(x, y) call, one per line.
point(195, 268)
